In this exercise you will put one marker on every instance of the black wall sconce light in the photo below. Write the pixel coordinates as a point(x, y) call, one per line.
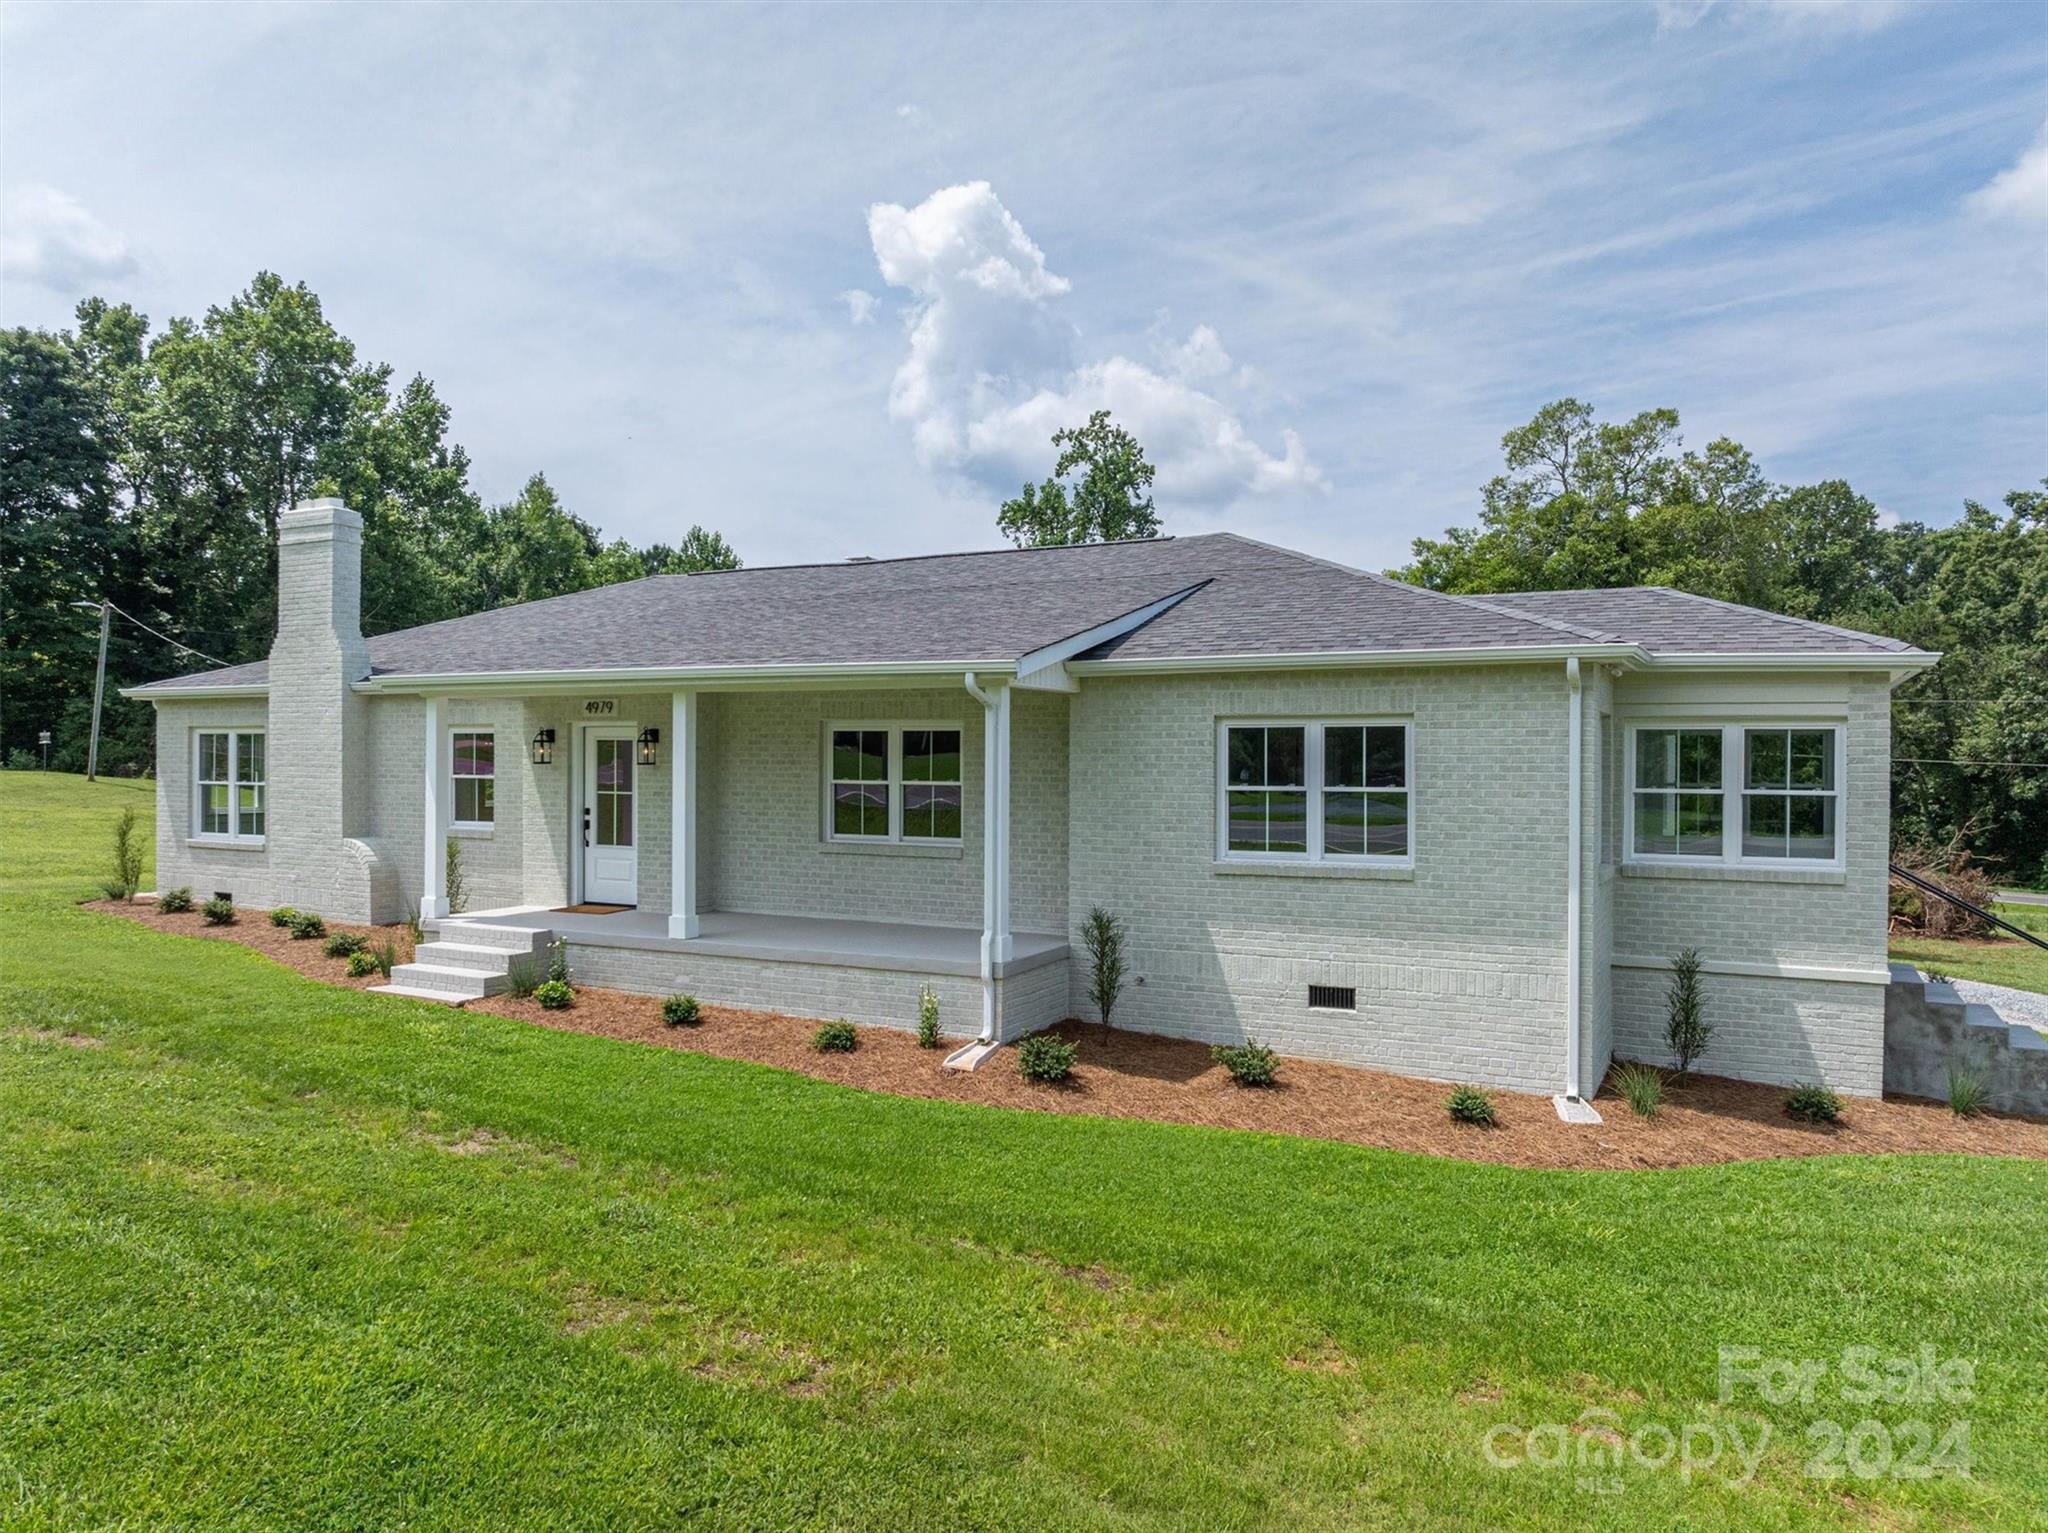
point(544, 747)
point(649, 738)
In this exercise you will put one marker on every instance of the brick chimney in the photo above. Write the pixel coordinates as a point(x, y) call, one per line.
point(316, 721)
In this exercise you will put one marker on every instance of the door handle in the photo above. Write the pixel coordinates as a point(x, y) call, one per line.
point(586, 825)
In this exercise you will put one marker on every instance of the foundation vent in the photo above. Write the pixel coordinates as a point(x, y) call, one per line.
point(1333, 997)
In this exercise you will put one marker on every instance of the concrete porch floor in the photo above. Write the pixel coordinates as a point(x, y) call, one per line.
point(786, 939)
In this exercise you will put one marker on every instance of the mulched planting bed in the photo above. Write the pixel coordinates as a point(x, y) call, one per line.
point(1119, 1074)
point(252, 928)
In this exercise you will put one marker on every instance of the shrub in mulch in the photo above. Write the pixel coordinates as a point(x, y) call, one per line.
point(681, 1011)
point(219, 912)
point(283, 916)
point(554, 995)
point(175, 901)
point(1468, 1104)
point(1250, 1063)
point(362, 964)
point(342, 945)
point(1045, 1057)
point(1813, 1104)
point(835, 1038)
point(305, 925)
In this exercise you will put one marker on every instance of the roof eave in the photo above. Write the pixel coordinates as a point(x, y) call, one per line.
point(636, 678)
point(157, 692)
point(1486, 654)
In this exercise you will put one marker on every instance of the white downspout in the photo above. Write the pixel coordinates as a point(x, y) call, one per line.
point(1574, 794)
point(995, 803)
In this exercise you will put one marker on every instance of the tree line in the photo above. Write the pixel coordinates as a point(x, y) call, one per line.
point(1591, 503)
point(150, 469)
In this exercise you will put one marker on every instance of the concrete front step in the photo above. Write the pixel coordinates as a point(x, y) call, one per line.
point(444, 980)
point(512, 939)
point(445, 997)
point(470, 955)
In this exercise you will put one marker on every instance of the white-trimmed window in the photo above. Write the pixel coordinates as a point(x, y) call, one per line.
point(473, 770)
point(1311, 790)
point(893, 783)
point(228, 785)
point(1735, 793)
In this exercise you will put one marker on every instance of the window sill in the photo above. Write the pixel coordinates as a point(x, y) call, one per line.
point(940, 849)
point(1400, 874)
point(1736, 873)
point(473, 832)
point(227, 843)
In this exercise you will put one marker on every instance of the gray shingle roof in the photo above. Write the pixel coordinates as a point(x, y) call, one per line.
point(1247, 598)
point(1667, 622)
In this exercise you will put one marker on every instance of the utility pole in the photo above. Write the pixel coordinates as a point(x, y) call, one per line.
point(99, 689)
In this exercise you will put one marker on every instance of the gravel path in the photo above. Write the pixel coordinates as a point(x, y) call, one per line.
point(2026, 1006)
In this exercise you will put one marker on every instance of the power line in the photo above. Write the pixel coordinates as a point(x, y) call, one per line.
point(183, 648)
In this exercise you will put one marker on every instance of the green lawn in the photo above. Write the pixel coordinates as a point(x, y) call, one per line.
point(273, 1254)
point(2005, 962)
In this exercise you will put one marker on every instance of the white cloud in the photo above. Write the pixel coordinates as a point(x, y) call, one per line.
point(2020, 191)
point(860, 306)
point(991, 374)
point(51, 239)
point(1860, 16)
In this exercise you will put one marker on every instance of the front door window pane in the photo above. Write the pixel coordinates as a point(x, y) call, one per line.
point(614, 818)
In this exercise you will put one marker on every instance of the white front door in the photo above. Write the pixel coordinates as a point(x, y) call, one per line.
point(611, 861)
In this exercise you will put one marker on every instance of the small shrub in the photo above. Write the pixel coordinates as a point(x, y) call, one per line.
point(522, 975)
point(1813, 1104)
point(835, 1038)
point(342, 945)
point(1102, 934)
point(305, 925)
point(681, 1011)
point(284, 915)
point(554, 995)
point(22, 759)
point(1468, 1104)
point(412, 925)
point(219, 912)
point(458, 886)
point(126, 871)
point(175, 901)
point(558, 961)
point(361, 963)
point(1044, 1057)
point(386, 956)
point(1642, 1087)
point(1686, 1028)
point(1966, 1091)
point(927, 1018)
point(1250, 1063)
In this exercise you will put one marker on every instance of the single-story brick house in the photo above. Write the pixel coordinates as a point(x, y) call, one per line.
point(1450, 836)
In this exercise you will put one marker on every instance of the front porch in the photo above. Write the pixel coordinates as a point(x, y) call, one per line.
point(824, 851)
point(781, 939)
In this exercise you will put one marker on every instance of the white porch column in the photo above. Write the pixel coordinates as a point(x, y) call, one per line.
point(434, 886)
point(682, 813)
point(995, 841)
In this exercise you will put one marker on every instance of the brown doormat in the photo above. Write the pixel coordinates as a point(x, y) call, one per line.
point(589, 910)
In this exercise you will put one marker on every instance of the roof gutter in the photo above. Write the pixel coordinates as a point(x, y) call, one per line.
point(660, 678)
point(158, 693)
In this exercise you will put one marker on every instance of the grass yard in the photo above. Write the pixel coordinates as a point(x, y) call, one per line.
point(279, 1254)
point(2007, 961)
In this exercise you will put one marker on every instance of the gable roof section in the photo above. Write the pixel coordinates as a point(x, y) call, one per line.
point(1217, 597)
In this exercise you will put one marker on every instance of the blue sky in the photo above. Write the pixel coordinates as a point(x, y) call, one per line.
point(825, 278)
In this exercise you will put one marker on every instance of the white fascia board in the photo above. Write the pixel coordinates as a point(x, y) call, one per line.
point(665, 678)
point(154, 694)
point(1048, 655)
point(1334, 659)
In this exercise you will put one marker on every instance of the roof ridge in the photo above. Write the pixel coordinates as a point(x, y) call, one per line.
point(957, 553)
point(1780, 617)
point(1591, 636)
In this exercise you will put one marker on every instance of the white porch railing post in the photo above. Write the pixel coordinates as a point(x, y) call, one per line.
point(434, 884)
point(682, 811)
point(995, 841)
